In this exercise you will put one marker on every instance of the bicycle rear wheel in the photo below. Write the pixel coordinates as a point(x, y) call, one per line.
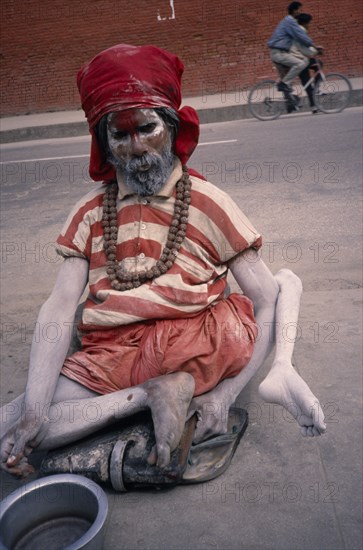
point(332, 93)
point(265, 102)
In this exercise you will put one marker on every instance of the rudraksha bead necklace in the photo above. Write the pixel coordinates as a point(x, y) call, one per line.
point(125, 280)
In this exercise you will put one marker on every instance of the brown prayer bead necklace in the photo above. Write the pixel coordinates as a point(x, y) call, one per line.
point(125, 280)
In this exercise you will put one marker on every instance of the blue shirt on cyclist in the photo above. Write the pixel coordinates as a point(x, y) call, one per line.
point(286, 32)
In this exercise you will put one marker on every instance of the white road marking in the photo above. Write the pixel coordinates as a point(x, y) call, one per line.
point(217, 142)
point(44, 159)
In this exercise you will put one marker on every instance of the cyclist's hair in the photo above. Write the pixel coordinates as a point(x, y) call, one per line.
point(168, 115)
point(304, 18)
point(293, 7)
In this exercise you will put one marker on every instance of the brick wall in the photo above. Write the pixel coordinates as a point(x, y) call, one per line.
point(222, 42)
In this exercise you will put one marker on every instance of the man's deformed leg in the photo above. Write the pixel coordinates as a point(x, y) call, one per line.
point(168, 398)
point(283, 385)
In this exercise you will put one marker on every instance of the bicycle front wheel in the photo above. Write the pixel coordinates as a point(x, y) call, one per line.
point(332, 93)
point(265, 102)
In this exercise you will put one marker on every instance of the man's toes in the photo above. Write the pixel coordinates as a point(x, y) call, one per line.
point(152, 458)
point(322, 428)
point(6, 447)
point(316, 431)
point(14, 459)
point(23, 469)
point(310, 431)
point(163, 452)
point(320, 424)
point(303, 420)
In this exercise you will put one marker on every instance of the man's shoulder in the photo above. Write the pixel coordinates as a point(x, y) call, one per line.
point(289, 21)
point(211, 192)
point(93, 197)
point(285, 21)
point(207, 187)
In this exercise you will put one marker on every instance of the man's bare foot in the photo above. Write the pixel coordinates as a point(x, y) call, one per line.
point(168, 397)
point(212, 411)
point(284, 386)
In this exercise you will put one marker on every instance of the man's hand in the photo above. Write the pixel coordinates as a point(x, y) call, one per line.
point(17, 444)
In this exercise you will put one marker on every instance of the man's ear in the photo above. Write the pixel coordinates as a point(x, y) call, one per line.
point(102, 138)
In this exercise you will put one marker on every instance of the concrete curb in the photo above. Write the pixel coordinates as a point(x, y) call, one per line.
point(69, 129)
point(220, 113)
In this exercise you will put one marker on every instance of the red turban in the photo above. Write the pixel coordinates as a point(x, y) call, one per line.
point(126, 77)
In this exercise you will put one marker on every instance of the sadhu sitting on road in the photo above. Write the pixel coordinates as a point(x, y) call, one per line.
point(154, 242)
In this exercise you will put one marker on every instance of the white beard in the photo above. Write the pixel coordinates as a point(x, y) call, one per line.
point(146, 182)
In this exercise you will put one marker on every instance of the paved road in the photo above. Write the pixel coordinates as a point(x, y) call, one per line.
point(299, 181)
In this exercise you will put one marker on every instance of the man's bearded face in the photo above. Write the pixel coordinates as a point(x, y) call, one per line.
point(141, 148)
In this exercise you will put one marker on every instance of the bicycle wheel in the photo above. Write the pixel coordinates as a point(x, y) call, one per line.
point(265, 102)
point(332, 93)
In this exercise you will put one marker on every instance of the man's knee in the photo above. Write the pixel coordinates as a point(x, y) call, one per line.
point(287, 277)
point(298, 65)
point(303, 63)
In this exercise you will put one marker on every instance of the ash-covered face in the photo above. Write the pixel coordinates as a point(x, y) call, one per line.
point(141, 148)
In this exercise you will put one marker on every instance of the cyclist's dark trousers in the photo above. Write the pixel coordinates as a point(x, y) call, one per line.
point(305, 77)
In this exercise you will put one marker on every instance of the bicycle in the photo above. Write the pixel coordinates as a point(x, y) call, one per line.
point(332, 93)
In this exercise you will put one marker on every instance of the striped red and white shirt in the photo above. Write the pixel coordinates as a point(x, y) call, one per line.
point(217, 230)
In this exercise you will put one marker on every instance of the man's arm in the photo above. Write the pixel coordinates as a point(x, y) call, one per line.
point(257, 283)
point(298, 33)
point(286, 32)
point(46, 355)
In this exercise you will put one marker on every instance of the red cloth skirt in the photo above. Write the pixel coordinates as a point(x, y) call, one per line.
point(214, 344)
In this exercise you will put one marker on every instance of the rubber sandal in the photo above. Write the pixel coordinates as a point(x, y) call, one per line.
point(212, 457)
point(119, 457)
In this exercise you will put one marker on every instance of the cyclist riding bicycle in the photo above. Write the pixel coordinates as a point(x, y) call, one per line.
point(301, 51)
point(288, 32)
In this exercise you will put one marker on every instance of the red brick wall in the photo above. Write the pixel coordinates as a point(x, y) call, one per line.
point(222, 42)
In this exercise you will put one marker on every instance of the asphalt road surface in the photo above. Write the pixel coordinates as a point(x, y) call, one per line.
point(299, 181)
